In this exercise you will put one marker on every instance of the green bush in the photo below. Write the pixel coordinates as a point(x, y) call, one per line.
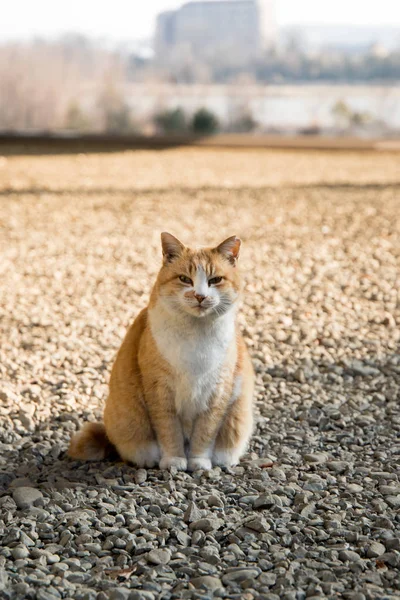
point(244, 123)
point(76, 119)
point(118, 120)
point(204, 122)
point(171, 121)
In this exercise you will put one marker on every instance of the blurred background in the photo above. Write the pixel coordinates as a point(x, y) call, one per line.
point(284, 67)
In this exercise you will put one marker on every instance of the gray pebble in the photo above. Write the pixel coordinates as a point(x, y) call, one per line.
point(337, 466)
point(140, 476)
point(316, 457)
point(25, 497)
point(258, 524)
point(20, 552)
point(207, 582)
point(349, 556)
point(206, 525)
point(159, 556)
point(192, 513)
point(375, 549)
point(240, 574)
point(141, 595)
point(120, 594)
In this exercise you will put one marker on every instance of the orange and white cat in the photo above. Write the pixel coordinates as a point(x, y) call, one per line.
point(182, 384)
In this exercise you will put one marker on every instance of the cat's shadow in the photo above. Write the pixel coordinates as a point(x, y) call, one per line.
point(52, 469)
point(45, 464)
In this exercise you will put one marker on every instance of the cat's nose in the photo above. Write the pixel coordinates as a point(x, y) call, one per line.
point(199, 298)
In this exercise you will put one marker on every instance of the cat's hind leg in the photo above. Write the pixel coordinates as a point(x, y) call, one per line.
point(129, 428)
point(233, 438)
point(147, 455)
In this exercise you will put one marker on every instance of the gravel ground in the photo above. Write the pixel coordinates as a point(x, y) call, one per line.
point(313, 509)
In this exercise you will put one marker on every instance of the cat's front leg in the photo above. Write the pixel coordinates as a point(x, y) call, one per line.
point(237, 425)
point(170, 438)
point(169, 433)
point(203, 437)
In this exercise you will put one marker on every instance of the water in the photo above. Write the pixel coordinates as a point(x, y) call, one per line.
point(281, 107)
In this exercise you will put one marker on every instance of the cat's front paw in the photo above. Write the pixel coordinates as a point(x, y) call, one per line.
point(225, 458)
point(195, 464)
point(177, 462)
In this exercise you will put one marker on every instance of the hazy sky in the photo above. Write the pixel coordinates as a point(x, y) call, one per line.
point(133, 19)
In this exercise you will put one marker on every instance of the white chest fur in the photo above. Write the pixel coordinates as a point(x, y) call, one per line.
point(197, 352)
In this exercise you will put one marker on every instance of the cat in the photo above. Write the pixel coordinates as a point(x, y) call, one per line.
point(182, 384)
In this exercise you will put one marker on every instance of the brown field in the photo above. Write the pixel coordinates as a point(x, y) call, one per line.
point(195, 168)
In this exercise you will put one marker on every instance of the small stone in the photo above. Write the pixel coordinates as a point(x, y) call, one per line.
point(120, 594)
point(183, 538)
point(265, 501)
point(20, 552)
point(358, 368)
point(308, 509)
point(26, 420)
point(349, 556)
point(159, 556)
point(215, 501)
point(375, 549)
point(52, 559)
point(316, 457)
point(240, 574)
point(21, 588)
point(268, 579)
point(3, 580)
point(392, 544)
point(276, 473)
point(237, 551)
point(26, 540)
point(210, 555)
point(207, 582)
point(206, 525)
point(141, 595)
point(192, 513)
point(140, 476)
point(258, 524)
point(198, 538)
point(383, 475)
point(393, 501)
point(314, 486)
point(338, 466)
point(25, 497)
point(354, 488)
point(389, 490)
point(44, 594)
point(391, 558)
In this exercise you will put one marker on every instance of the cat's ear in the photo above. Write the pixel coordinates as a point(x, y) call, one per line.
point(171, 246)
point(230, 248)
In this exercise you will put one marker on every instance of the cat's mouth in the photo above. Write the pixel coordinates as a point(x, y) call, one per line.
point(200, 309)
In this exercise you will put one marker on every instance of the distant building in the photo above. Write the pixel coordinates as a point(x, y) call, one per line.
point(227, 30)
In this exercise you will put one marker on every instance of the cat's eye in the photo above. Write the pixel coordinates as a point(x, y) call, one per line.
point(214, 280)
point(185, 279)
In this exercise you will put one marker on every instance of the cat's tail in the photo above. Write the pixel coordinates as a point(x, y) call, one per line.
point(91, 443)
